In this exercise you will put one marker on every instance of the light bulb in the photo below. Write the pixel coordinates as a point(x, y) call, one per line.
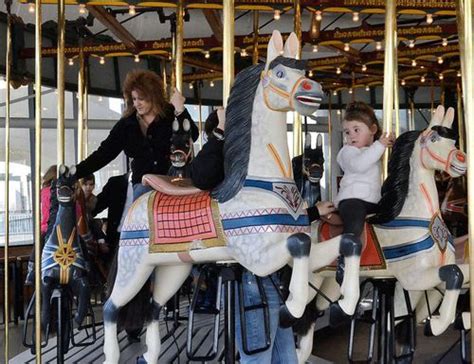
point(243, 53)
point(31, 8)
point(70, 62)
point(403, 83)
point(310, 74)
point(355, 16)
point(422, 67)
point(413, 63)
point(102, 60)
point(458, 74)
point(132, 10)
point(211, 83)
point(277, 14)
point(334, 93)
point(440, 60)
point(411, 43)
point(378, 45)
point(191, 86)
point(422, 79)
point(445, 42)
point(364, 67)
point(315, 48)
point(338, 70)
point(339, 112)
point(350, 90)
point(346, 47)
point(441, 76)
point(137, 58)
point(207, 54)
point(367, 88)
point(319, 15)
point(82, 8)
point(429, 18)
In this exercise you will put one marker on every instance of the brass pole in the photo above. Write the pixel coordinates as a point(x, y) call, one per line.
point(60, 82)
point(388, 85)
point(329, 170)
point(37, 234)
point(412, 116)
point(255, 37)
point(297, 124)
point(228, 61)
point(396, 95)
point(86, 110)
point(80, 108)
point(6, 252)
point(432, 97)
point(461, 130)
point(163, 76)
point(465, 20)
point(179, 46)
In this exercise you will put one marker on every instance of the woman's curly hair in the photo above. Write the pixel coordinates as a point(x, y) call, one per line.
point(148, 85)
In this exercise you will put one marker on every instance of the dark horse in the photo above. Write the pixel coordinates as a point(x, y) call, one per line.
point(181, 153)
point(308, 170)
point(63, 261)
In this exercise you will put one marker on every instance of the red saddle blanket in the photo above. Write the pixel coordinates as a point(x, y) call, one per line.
point(182, 223)
point(372, 256)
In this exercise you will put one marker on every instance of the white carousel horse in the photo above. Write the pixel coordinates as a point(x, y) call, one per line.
point(417, 248)
point(259, 204)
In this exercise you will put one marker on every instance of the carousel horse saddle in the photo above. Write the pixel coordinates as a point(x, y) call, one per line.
point(170, 185)
point(371, 257)
point(184, 222)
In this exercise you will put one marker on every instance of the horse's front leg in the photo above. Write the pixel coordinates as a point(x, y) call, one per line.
point(299, 246)
point(81, 288)
point(168, 280)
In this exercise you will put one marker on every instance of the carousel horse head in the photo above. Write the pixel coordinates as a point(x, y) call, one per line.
point(181, 143)
point(63, 261)
point(313, 160)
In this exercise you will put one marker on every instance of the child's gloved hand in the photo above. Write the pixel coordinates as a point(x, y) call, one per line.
point(387, 139)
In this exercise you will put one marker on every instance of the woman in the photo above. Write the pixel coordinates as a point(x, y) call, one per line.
point(144, 131)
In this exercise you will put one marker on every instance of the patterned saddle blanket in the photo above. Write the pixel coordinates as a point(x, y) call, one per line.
point(183, 223)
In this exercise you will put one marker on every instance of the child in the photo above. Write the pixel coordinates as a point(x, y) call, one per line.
point(360, 160)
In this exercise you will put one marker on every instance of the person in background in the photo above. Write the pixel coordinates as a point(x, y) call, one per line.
point(144, 131)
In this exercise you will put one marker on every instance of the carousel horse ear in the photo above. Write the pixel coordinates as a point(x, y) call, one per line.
point(175, 125)
point(186, 125)
point(437, 118)
point(307, 141)
point(62, 169)
point(275, 47)
point(319, 141)
point(448, 118)
point(292, 46)
point(72, 170)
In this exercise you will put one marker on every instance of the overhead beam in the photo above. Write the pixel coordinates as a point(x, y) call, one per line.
point(214, 20)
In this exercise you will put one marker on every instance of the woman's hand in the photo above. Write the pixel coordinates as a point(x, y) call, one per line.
point(221, 117)
point(177, 100)
point(387, 139)
point(325, 207)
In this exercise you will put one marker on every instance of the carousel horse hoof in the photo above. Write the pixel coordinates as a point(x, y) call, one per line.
point(428, 331)
point(337, 316)
point(286, 318)
point(141, 360)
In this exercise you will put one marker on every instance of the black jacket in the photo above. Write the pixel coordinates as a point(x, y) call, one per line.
point(113, 197)
point(149, 154)
point(207, 168)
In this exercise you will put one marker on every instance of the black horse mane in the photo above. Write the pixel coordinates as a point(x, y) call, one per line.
point(395, 187)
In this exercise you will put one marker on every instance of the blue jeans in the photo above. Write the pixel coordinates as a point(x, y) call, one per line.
point(282, 344)
point(139, 189)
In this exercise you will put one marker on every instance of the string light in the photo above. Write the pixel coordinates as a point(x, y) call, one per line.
point(411, 43)
point(441, 76)
point(82, 8)
point(355, 16)
point(364, 67)
point(429, 18)
point(445, 42)
point(315, 48)
point(413, 63)
point(440, 60)
point(70, 62)
point(346, 47)
point(137, 58)
point(277, 14)
point(422, 79)
point(403, 83)
point(338, 70)
point(207, 54)
point(131, 10)
point(102, 60)
point(378, 45)
point(211, 83)
point(319, 15)
point(31, 8)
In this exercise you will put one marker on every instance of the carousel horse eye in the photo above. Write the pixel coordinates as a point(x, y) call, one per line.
point(434, 138)
point(186, 125)
point(175, 125)
point(280, 74)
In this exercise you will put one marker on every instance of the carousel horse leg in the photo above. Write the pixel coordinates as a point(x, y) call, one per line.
point(168, 280)
point(81, 289)
point(299, 246)
point(47, 288)
point(128, 283)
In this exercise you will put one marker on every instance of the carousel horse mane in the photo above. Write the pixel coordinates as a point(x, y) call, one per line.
point(239, 124)
point(395, 187)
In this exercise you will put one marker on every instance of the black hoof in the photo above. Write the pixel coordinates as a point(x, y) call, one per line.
point(286, 318)
point(428, 331)
point(337, 316)
point(141, 360)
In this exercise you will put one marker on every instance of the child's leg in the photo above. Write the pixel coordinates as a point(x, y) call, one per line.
point(353, 212)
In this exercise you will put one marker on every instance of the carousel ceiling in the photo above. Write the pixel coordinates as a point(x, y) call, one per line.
point(343, 40)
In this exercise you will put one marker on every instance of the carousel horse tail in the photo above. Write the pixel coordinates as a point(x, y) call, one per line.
point(138, 312)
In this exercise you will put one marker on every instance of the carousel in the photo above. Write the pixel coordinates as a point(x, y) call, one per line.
point(177, 288)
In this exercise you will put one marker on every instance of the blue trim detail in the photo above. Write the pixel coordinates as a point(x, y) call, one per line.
point(259, 184)
point(276, 219)
point(136, 234)
point(404, 223)
point(407, 249)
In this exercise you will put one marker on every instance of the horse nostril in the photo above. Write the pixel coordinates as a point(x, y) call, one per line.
point(306, 85)
point(461, 157)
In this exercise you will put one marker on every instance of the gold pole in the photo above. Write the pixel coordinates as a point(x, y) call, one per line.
point(179, 46)
point(255, 37)
point(388, 84)
point(86, 110)
point(432, 97)
point(6, 254)
point(163, 76)
point(297, 137)
point(228, 61)
point(465, 20)
point(37, 235)
point(396, 95)
point(329, 170)
point(60, 83)
point(80, 108)
point(461, 131)
point(412, 116)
